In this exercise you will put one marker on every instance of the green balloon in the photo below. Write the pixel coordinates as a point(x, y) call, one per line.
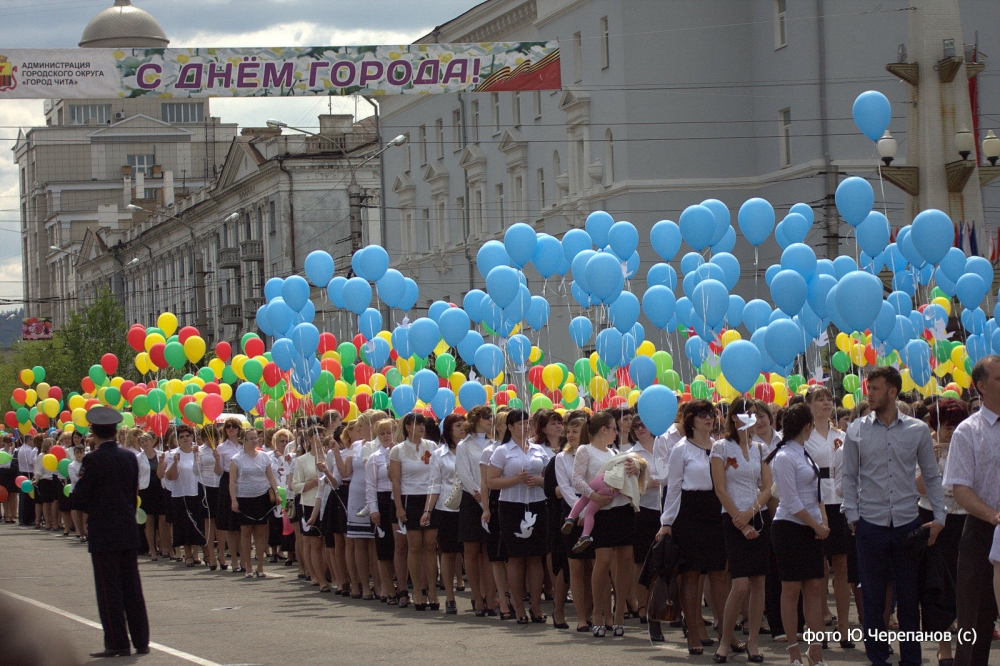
point(858, 396)
point(325, 385)
point(671, 379)
point(39, 373)
point(851, 383)
point(267, 355)
point(794, 382)
point(23, 415)
point(206, 375)
point(282, 493)
point(273, 409)
point(841, 362)
point(5, 457)
point(173, 338)
point(380, 400)
point(33, 413)
point(253, 370)
point(700, 390)
point(582, 372)
point(711, 371)
point(515, 403)
point(140, 406)
point(445, 365)
point(112, 396)
point(602, 369)
point(191, 389)
point(175, 404)
point(564, 375)
point(193, 413)
point(347, 374)
point(393, 377)
point(663, 362)
point(157, 400)
point(942, 350)
point(572, 405)
point(539, 401)
point(348, 354)
point(63, 468)
point(419, 363)
point(229, 375)
point(128, 420)
point(187, 377)
point(950, 394)
point(937, 293)
point(155, 329)
point(174, 353)
point(67, 489)
point(97, 374)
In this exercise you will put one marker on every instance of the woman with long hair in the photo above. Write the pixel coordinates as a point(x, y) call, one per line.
point(7, 476)
point(410, 472)
point(153, 496)
point(381, 511)
point(46, 487)
point(276, 540)
point(360, 542)
point(184, 472)
point(478, 422)
point(798, 530)
point(335, 518)
point(443, 520)
point(79, 517)
point(581, 564)
point(515, 470)
point(692, 515)
point(743, 485)
point(250, 480)
point(496, 547)
point(647, 521)
point(305, 483)
point(211, 471)
point(226, 522)
point(548, 431)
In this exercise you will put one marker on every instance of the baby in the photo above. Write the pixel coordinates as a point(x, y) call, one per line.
point(611, 481)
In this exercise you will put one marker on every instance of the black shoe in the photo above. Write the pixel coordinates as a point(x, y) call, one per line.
point(849, 645)
point(720, 658)
point(112, 653)
point(655, 632)
point(142, 650)
point(450, 608)
point(435, 605)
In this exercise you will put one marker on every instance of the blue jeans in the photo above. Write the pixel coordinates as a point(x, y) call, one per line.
point(882, 550)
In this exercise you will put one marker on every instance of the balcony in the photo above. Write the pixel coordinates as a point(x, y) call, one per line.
point(229, 257)
point(251, 305)
point(231, 314)
point(252, 250)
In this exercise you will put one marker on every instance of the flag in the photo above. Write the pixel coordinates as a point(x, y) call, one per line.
point(958, 235)
point(995, 247)
point(892, 234)
point(973, 240)
point(963, 238)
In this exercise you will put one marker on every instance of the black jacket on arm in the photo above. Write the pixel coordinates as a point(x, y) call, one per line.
point(107, 491)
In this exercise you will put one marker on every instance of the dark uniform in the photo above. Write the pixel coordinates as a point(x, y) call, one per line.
point(107, 490)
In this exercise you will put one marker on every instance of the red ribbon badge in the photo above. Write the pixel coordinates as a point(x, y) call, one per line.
point(731, 462)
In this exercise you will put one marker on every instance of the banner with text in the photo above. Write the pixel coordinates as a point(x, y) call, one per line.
point(278, 72)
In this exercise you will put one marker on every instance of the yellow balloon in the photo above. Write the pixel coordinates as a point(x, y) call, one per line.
point(352, 413)
point(405, 366)
point(623, 391)
point(237, 365)
point(843, 341)
point(363, 388)
point(377, 381)
point(633, 398)
point(30, 397)
point(489, 393)
point(340, 389)
point(26, 376)
point(50, 462)
point(153, 339)
point(570, 378)
point(848, 401)
point(570, 392)
point(76, 402)
point(730, 336)
point(117, 381)
point(780, 394)
point(593, 362)
point(194, 348)
point(858, 355)
point(725, 389)
point(441, 347)
point(647, 348)
point(226, 392)
point(958, 355)
point(24, 428)
point(167, 322)
point(42, 390)
point(535, 355)
point(943, 302)
point(385, 335)
point(960, 377)
point(498, 380)
point(80, 417)
point(598, 387)
point(217, 365)
point(138, 501)
point(50, 407)
point(456, 380)
point(199, 396)
point(552, 376)
point(173, 387)
point(197, 381)
point(331, 354)
point(943, 369)
point(908, 384)
point(69, 427)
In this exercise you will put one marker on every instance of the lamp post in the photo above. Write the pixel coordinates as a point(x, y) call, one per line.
point(353, 190)
point(991, 148)
point(887, 148)
point(964, 142)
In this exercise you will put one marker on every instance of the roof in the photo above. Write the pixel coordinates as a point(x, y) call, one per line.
point(123, 26)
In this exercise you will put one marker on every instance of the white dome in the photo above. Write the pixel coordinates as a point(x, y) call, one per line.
point(123, 26)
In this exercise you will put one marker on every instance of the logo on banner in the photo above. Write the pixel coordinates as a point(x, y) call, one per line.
point(7, 70)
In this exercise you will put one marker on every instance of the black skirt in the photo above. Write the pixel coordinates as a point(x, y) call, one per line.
point(798, 552)
point(66, 502)
point(189, 520)
point(569, 540)
point(46, 491)
point(697, 531)
point(7, 476)
point(335, 513)
point(747, 557)
point(385, 546)
point(254, 510)
point(212, 499)
point(614, 528)
point(647, 524)
point(557, 549)
point(304, 513)
point(496, 547)
point(470, 520)
point(414, 507)
point(446, 523)
point(275, 526)
point(153, 500)
point(524, 528)
point(225, 519)
point(836, 542)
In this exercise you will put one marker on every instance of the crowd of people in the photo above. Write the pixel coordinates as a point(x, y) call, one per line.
point(763, 507)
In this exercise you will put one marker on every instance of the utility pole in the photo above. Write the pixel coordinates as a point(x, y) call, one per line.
point(354, 199)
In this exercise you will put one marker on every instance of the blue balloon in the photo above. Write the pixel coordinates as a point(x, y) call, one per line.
point(844, 265)
point(454, 325)
point(492, 315)
point(377, 351)
point(469, 345)
point(538, 313)
point(357, 295)
point(518, 350)
point(638, 333)
point(684, 311)
point(734, 315)
point(295, 292)
point(262, 323)
point(895, 260)
point(623, 239)
point(598, 225)
point(933, 234)
point(305, 338)
point(805, 211)
point(564, 266)
point(657, 407)
point(789, 291)
point(902, 332)
point(425, 384)
point(662, 274)
point(519, 306)
point(690, 262)
point(934, 315)
point(771, 271)
point(279, 315)
point(579, 268)
point(723, 219)
point(776, 315)
point(272, 288)
point(247, 396)
point(609, 347)
point(885, 322)
point(741, 364)
point(579, 295)
point(658, 303)
point(665, 237)
point(810, 322)
point(502, 285)
point(976, 347)
point(901, 303)
point(917, 356)
point(623, 313)
point(436, 308)
point(491, 255)
point(783, 341)
point(873, 233)
point(391, 287)
point(872, 113)
point(283, 354)
point(756, 314)
point(795, 227)
point(404, 399)
point(489, 361)
point(519, 240)
point(730, 268)
point(335, 291)
point(981, 267)
point(574, 242)
point(819, 289)
point(953, 264)
point(727, 243)
point(710, 301)
point(854, 199)
point(319, 268)
point(904, 241)
point(548, 255)
point(424, 336)
point(401, 341)
point(974, 321)
point(697, 225)
point(472, 305)
point(632, 265)
point(970, 290)
point(375, 264)
point(471, 394)
point(369, 323)
point(642, 370)
point(756, 220)
point(580, 331)
point(410, 295)
point(905, 282)
point(443, 402)
point(696, 350)
point(859, 299)
point(800, 258)
point(873, 265)
point(604, 276)
point(825, 267)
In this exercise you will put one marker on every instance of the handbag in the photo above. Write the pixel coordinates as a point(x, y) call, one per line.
point(273, 496)
point(454, 499)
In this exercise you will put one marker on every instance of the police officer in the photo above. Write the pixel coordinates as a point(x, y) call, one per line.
point(107, 490)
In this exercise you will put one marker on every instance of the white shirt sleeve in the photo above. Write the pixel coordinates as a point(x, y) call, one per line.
point(675, 479)
point(581, 465)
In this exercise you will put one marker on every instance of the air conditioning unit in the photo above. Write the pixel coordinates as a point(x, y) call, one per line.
point(120, 115)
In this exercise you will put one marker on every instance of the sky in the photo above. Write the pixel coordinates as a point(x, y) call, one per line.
point(188, 23)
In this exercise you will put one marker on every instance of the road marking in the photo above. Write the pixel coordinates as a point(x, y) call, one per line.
point(97, 625)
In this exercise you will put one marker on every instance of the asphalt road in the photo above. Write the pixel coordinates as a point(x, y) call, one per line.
point(215, 618)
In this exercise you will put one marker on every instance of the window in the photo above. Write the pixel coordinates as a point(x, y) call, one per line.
point(260, 222)
point(24, 181)
point(141, 163)
point(441, 237)
point(477, 212)
point(456, 129)
point(516, 196)
point(609, 157)
point(541, 189)
point(150, 193)
point(577, 57)
point(427, 228)
point(537, 98)
point(406, 239)
point(80, 114)
point(185, 112)
point(605, 44)
point(785, 137)
point(581, 166)
point(495, 101)
point(780, 34)
point(407, 158)
point(271, 219)
point(248, 226)
point(422, 133)
point(460, 206)
point(500, 207)
point(439, 137)
point(517, 108)
point(475, 120)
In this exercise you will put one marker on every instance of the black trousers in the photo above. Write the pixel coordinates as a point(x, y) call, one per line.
point(120, 600)
point(976, 604)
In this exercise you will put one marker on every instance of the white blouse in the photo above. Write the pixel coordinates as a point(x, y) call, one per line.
point(251, 477)
point(305, 471)
point(188, 474)
point(564, 477)
point(140, 457)
point(688, 468)
point(227, 450)
point(442, 476)
point(415, 465)
point(771, 445)
point(586, 464)
point(209, 478)
point(377, 477)
point(651, 498)
point(796, 480)
point(743, 477)
point(828, 453)
point(511, 460)
point(40, 471)
point(74, 473)
point(467, 455)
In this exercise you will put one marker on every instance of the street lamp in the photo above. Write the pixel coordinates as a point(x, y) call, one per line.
point(991, 147)
point(964, 141)
point(887, 148)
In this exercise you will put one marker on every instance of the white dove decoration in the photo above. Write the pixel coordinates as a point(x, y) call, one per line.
point(527, 525)
point(747, 421)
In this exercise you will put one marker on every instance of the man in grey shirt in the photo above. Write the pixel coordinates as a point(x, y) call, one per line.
point(881, 452)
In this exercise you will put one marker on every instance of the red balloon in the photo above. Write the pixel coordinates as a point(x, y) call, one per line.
point(65, 416)
point(158, 423)
point(363, 401)
point(332, 365)
point(109, 363)
point(342, 405)
point(126, 386)
point(764, 391)
point(19, 480)
point(93, 402)
point(156, 354)
point(327, 342)
point(134, 393)
point(535, 376)
point(358, 341)
point(41, 420)
point(624, 379)
point(58, 451)
point(10, 418)
point(87, 384)
point(362, 373)
point(211, 387)
point(502, 397)
point(291, 402)
point(224, 350)
point(393, 355)
point(55, 392)
point(685, 397)
point(254, 347)
point(19, 395)
point(272, 373)
point(320, 408)
point(137, 338)
point(212, 406)
point(184, 401)
point(185, 333)
point(443, 383)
